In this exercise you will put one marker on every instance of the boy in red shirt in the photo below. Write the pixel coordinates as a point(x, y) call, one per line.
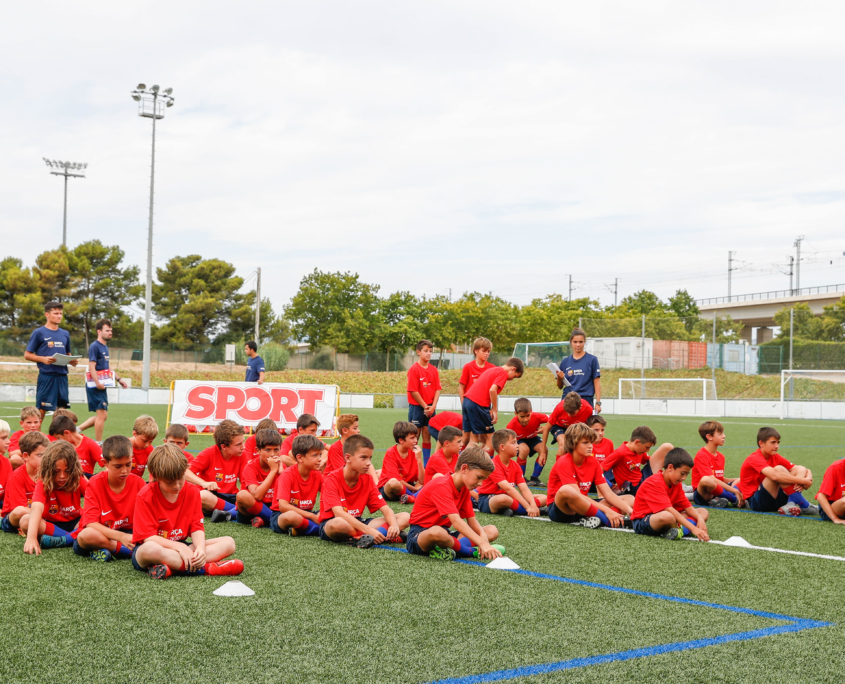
point(345, 494)
point(258, 479)
point(445, 503)
point(168, 512)
point(661, 508)
point(471, 371)
point(30, 422)
point(250, 450)
point(603, 447)
point(219, 468)
point(297, 489)
point(831, 493)
point(21, 484)
point(768, 482)
point(624, 463)
point(526, 424)
point(347, 425)
point(441, 420)
point(708, 474)
point(178, 434)
point(423, 394)
point(573, 409)
point(90, 455)
point(574, 476)
point(105, 531)
point(481, 403)
point(505, 491)
point(445, 459)
point(306, 424)
point(399, 477)
point(144, 432)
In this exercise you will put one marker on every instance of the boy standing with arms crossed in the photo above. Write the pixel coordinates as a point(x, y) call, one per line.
point(423, 394)
point(471, 371)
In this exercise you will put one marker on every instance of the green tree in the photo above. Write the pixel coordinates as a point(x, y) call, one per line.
point(20, 300)
point(484, 315)
point(804, 322)
point(401, 323)
point(643, 303)
point(552, 318)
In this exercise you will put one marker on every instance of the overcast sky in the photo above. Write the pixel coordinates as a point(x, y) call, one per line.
point(467, 145)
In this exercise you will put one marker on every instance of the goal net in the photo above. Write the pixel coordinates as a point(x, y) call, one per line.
point(538, 354)
point(823, 386)
point(703, 389)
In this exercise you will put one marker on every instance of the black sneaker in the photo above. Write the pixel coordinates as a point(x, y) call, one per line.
point(536, 482)
point(544, 510)
point(366, 541)
point(508, 513)
point(627, 523)
point(219, 515)
point(403, 535)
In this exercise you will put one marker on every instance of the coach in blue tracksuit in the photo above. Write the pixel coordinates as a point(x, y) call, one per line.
point(255, 365)
point(582, 371)
point(44, 343)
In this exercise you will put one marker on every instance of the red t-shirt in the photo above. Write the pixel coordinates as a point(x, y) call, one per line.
point(470, 373)
point(561, 418)
point(751, 472)
point(15, 439)
point(210, 466)
point(511, 474)
point(445, 418)
point(833, 483)
point(19, 490)
point(426, 381)
point(438, 500)
point(654, 495)
point(287, 444)
point(300, 493)
point(5, 474)
point(250, 448)
point(155, 516)
point(59, 505)
point(394, 466)
point(528, 431)
point(602, 449)
point(90, 454)
point(565, 472)
point(139, 459)
point(104, 506)
point(625, 465)
point(336, 492)
point(479, 393)
point(708, 465)
point(254, 474)
point(438, 464)
point(336, 460)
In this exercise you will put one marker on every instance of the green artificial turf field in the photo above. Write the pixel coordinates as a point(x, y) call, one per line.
point(329, 613)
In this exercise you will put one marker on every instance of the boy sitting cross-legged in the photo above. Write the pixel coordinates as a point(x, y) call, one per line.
point(89, 452)
point(178, 434)
point(445, 503)
point(624, 463)
point(526, 424)
point(445, 459)
point(768, 482)
point(250, 450)
point(105, 530)
point(831, 495)
point(168, 512)
point(306, 424)
point(571, 479)
point(297, 488)
point(21, 484)
point(399, 478)
point(345, 494)
point(603, 447)
point(572, 410)
point(144, 432)
point(661, 508)
point(217, 471)
point(258, 479)
point(708, 474)
point(30, 422)
point(505, 491)
point(347, 425)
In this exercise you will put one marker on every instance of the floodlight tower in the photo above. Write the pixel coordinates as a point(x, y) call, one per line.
point(151, 105)
point(66, 168)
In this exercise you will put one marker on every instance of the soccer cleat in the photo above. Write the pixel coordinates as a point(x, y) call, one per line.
point(812, 509)
point(673, 533)
point(159, 571)
point(219, 515)
point(536, 482)
point(544, 510)
point(688, 489)
point(406, 499)
point(499, 548)
point(55, 542)
point(257, 521)
point(102, 555)
point(590, 522)
point(719, 502)
point(442, 554)
point(403, 536)
point(508, 513)
point(627, 523)
point(365, 541)
point(227, 568)
point(789, 508)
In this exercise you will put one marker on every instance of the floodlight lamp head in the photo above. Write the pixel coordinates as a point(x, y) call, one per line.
point(168, 91)
point(136, 97)
point(142, 86)
point(154, 88)
point(170, 102)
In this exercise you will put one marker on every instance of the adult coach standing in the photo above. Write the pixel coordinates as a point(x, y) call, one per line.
point(98, 362)
point(582, 371)
point(44, 343)
point(255, 365)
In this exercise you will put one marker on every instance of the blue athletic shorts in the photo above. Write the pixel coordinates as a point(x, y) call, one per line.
point(97, 399)
point(228, 498)
point(138, 546)
point(51, 392)
point(465, 421)
point(88, 476)
point(643, 526)
point(326, 537)
point(6, 525)
point(557, 430)
point(416, 415)
point(435, 434)
point(478, 418)
point(556, 515)
point(532, 443)
point(484, 503)
point(66, 525)
point(822, 515)
point(79, 551)
point(763, 502)
point(414, 531)
point(699, 500)
point(385, 496)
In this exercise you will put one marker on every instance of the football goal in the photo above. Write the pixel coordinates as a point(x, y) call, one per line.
point(811, 385)
point(667, 388)
point(538, 354)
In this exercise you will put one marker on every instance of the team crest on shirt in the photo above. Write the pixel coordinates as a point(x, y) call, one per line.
point(50, 344)
point(218, 477)
point(570, 372)
point(54, 508)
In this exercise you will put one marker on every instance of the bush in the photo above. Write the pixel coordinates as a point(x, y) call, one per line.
point(323, 360)
point(275, 355)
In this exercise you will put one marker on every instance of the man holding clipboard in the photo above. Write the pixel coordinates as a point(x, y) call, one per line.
point(98, 378)
point(49, 348)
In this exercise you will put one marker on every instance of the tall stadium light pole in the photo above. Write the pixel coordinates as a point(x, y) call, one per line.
point(151, 105)
point(66, 168)
point(257, 304)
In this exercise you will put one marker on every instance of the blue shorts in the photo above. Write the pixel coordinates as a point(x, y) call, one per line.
point(478, 418)
point(228, 498)
point(51, 392)
point(643, 526)
point(6, 525)
point(274, 523)
point(532, 443)
point(557, 430)
point(822, 515)
point(435, 434)
point(98, 399)
point(556, 515)
point(464, 421)
point(416, 415)
point(699, 500)
point(326, 537)
point(138, 546)
point(763, 502)
point(414, 531)
point(66, 525)
point(88, 476)
point(484, 503)
point(384, 496)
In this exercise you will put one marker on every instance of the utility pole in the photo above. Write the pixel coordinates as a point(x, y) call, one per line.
point(798, 241)
point(791, 273)
point(615, 291)
point(730, 270)
point(257, 304)
point(569, 299)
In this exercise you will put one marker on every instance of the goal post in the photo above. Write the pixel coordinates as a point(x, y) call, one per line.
point(668, 388)
point(811, 386)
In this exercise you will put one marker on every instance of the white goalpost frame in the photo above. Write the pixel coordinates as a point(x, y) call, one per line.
point(786, 375)
point(703, 382)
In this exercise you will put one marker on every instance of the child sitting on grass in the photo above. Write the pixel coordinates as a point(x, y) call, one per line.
point(526, 424)
point(445, 503)
point(258, 479)
point(89, 452)
point(168, 512)
point(178, 434)
point(56, 501)
point(21, 485)
point(306, 424)
point(219, 468)
point(603, 447)
point(296, 490)
point(345, 494)
point(661, 508)
point(5, 464)
point(831, 493)
point(505, 491)
point(105, 531)
point(708, 474)
point(571, 410)
point(399, 478)
point(624, 463)
point(30, 422)
point(144, 432)
point(250, 450)
point(347, 425)
point(445, 459)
